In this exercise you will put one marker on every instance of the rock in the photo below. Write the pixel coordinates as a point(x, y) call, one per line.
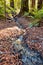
point(19, 40)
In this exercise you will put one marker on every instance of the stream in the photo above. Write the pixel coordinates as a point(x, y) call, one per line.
point(27, 56)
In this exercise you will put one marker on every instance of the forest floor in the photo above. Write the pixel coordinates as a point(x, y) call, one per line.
point(33, 37)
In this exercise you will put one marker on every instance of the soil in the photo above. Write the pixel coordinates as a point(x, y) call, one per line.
point(9, 31)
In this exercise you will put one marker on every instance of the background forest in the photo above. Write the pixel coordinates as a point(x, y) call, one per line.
point(24, 6)
point(27, 8)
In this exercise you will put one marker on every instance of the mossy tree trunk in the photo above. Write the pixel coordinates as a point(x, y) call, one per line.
point(36, 4)
point(31, 5)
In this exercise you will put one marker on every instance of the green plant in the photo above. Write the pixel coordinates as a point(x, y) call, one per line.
point(35, 23)
point(26, 14)
point(38, 14)
point(1, 7)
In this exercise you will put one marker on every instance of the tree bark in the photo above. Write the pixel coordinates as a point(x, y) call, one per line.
point(33, 3)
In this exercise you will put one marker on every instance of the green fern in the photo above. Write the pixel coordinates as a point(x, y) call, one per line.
point(35, 23)
point(26, 14)
point(38, 14)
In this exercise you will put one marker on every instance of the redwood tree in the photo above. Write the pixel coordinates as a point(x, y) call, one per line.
point(33, 3)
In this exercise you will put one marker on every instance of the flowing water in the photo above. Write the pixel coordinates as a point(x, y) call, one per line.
point(27, 56)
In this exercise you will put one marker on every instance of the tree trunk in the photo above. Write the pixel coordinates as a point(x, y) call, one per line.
point(5, 9)
point(36, 4)
point(33, 3)
point(12, 3)
point(24, 7)
point(39, 4)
